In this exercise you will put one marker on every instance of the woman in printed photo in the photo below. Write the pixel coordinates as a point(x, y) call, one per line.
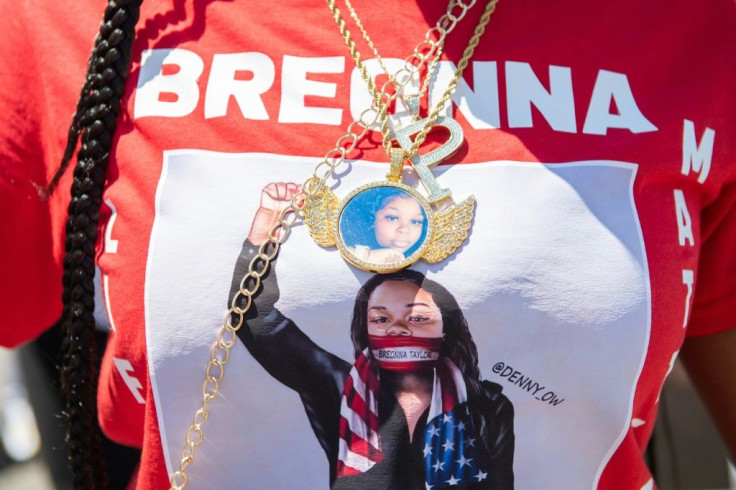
point(411, 411)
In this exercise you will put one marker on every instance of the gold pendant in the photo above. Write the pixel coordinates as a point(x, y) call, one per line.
point(385, 226)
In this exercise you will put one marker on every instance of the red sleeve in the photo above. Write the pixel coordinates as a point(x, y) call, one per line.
point(30, 299)
point(44, 60)
point(714, 303)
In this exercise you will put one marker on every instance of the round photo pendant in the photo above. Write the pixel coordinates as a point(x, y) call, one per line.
point(383, 226)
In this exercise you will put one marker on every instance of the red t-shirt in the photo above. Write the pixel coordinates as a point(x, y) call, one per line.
point(599, 144)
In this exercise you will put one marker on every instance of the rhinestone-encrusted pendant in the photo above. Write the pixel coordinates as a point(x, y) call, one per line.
point(386, 226)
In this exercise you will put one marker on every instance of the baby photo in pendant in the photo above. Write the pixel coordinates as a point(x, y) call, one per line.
point(383, 225)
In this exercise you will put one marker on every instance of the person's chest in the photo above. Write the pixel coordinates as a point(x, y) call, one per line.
point(586, 229)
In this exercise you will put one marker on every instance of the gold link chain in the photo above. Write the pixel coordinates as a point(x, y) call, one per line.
point(462, 64)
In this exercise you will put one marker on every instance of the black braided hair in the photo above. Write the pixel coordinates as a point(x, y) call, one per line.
point(96, 120)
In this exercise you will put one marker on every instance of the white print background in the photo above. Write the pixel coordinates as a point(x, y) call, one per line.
point(552, 281)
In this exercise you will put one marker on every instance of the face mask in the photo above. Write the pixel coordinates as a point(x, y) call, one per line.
point(405, 354)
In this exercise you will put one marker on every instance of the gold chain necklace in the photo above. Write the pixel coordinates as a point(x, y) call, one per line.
point(311, 191)
point(411, 101)
point(422, 228)
point(382, 101)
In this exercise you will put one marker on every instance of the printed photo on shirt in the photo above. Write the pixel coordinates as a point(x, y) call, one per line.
point(528, 282)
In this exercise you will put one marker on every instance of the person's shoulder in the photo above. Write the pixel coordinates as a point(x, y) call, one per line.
point(493, 399)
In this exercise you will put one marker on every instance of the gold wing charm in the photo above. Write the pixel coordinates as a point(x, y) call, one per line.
point(451, 227)
point(319, 216)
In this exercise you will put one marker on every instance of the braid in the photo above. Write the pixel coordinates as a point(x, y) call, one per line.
point(96, 119)
point(75, 128)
